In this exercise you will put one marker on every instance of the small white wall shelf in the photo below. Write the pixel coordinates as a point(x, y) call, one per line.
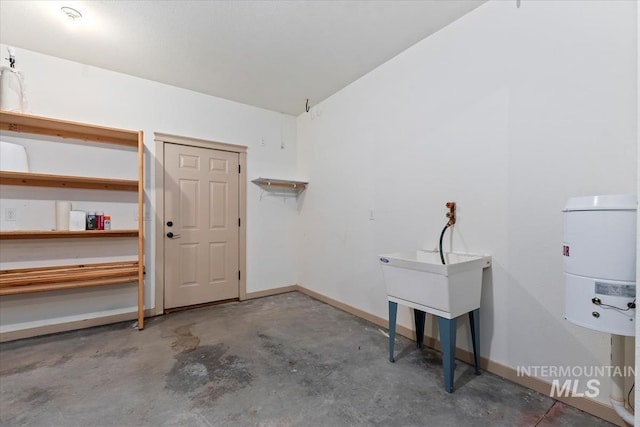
point(281, 186)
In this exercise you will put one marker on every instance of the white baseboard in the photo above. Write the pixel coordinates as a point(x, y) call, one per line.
point(270, 292)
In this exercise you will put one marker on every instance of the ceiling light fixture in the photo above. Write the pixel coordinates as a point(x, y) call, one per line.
point(71, 13)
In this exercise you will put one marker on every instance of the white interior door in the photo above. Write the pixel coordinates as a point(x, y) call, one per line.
point(201, 227)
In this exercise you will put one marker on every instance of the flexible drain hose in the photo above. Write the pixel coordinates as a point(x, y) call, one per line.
point(442, 237)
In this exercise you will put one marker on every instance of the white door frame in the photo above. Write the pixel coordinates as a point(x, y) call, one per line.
point(161, 139)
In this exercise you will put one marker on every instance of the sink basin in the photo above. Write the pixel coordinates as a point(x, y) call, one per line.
point(418, 279)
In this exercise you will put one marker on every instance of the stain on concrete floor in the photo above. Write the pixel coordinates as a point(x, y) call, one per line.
point(208, 373)
point(185, 341)
point(20, 369)
point(62, 360)
point(286, 360)
point(38, 396)
point(118, 354)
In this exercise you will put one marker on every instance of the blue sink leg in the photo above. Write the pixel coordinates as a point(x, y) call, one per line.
point(393, 313)
point(448, 346)
point(420, 318)
point(474, 321)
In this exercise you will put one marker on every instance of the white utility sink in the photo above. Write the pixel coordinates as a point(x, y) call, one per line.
point(419, 280)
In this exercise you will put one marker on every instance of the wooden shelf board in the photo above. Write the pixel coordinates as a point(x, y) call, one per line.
point(87, 266)
point(66, 277)
point(281, 183)
point(16, 290)
point(66, 181)
point(50, 277)
point(25, 123)
point(32, 234)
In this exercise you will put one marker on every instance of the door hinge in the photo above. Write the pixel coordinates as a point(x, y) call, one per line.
point(238, 274)
point(239, 168)
point(239, 222)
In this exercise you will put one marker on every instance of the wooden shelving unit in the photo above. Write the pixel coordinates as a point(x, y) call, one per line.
point(281, 186)
point(29, 280)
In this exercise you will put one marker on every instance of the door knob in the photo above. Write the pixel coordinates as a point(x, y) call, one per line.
point(170, 235)
point(169, 223)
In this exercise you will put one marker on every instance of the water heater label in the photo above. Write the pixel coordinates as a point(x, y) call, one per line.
point(611, 289)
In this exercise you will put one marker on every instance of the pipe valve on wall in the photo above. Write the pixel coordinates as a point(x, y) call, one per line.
point(452, 213)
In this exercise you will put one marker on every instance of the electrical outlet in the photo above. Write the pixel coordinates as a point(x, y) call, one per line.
point(262, 142)
point(10, 214)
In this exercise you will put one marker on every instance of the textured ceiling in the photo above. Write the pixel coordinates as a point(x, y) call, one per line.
point(270, 54)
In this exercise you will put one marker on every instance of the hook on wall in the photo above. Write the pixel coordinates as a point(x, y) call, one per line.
point(306, 107)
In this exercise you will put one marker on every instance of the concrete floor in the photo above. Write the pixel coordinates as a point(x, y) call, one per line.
point(277, 361)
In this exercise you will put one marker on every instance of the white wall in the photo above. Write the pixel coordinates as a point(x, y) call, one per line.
point(72, 91)
point(508, 112)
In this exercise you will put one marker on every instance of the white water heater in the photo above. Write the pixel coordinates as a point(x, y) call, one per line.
point(600, 262)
